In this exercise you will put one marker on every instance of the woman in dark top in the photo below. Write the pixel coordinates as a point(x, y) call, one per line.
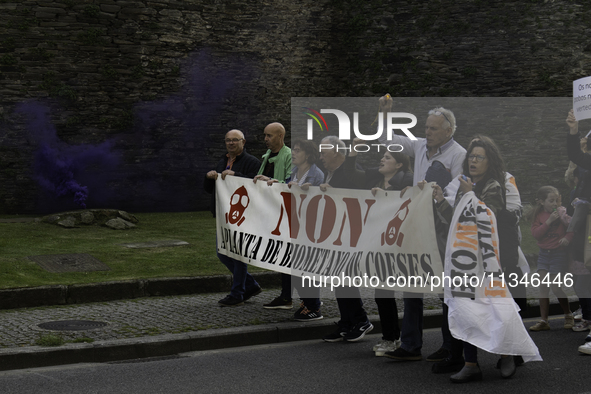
point(394, 173)
point(485, 171)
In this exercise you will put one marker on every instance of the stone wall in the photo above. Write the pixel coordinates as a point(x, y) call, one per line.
point(130, 99)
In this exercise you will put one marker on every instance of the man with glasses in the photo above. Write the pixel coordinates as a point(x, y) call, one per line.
point(437, 149)
point(235, 162)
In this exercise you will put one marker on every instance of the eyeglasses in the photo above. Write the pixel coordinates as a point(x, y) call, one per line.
point(478, 158)
point(234, 140)
point(438, 113)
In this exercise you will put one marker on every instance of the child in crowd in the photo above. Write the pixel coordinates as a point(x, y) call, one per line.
point(581, 275)
point(549, 228)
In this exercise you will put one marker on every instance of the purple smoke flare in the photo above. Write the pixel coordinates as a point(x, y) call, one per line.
point(156, 163)
point(63, 170)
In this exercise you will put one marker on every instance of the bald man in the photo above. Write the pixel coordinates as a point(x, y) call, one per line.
point(276, 167)
point(277, 160)
point(235, 162)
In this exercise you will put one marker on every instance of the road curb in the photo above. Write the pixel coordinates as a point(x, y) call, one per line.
point(174, 344)
point(29, 297)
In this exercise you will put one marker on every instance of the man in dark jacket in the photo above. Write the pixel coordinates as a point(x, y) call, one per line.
point(238, 163)
point(341, 172)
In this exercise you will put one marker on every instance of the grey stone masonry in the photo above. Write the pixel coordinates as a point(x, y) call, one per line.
point(158, 83)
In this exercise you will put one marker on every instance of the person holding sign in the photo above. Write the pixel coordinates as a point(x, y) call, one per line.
point(277, 160)
point(485, 168)
point(341, 172)
point(438, 148)
point(583, 160)
point(394, 173)
point(236, 162)
point(303, 174)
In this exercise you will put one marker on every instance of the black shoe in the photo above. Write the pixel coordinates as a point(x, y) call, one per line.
point(307, 315)
point(449, 365)
point(230, 301)
point(404, 355)
point(300, 309)
point(507, 367)
point(251, 293)
point(468, 374)
point(335, 336)
point(518, 360)
point(358, 331)
point(439, 355)
point(279, 303)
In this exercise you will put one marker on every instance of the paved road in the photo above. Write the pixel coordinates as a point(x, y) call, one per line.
point(309, 367)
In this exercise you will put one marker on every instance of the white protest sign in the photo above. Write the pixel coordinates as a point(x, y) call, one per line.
point(582, 98)
point(382, 241)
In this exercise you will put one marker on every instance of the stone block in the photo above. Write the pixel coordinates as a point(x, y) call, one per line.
point(32, 297)
point(87, 217)
point(50, 10)
point(110, 8)
point(68, 222)
point(119, 224)
point(44, 15)
point(194, 285)
point(78, 294)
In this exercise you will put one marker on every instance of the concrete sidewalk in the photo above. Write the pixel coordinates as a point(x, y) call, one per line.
point(164, 326)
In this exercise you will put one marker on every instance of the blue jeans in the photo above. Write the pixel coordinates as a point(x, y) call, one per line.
point(412, 323)
point(242, 281)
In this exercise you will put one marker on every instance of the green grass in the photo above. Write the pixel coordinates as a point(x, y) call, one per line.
point(20, 240)
point(529, 244)
point(82, 340)
point(50, 340)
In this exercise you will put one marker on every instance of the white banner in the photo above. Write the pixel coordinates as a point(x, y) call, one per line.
point(481, 309)
point(582, 98)
point(381, 242)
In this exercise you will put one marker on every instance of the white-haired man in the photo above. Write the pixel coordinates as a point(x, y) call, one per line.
point(440, 148)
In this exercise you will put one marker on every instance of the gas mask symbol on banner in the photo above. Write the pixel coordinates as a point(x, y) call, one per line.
point(392, 234)
point(238, 203)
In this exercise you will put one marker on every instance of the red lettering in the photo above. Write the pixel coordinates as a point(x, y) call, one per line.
point(355, 221)
point(329, 217)
point(292, 220)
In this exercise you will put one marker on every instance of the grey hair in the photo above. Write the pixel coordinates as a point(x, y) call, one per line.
point(241, 133)
point(448, 117)
point(337, 143)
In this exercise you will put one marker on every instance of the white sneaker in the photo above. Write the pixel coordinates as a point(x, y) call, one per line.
point(386, 346)
point(584, 325)
point(578, 314)
point(586, 348)
point(381, 343)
